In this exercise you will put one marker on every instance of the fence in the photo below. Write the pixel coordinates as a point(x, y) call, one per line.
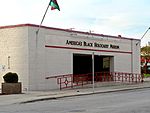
point(70, 80)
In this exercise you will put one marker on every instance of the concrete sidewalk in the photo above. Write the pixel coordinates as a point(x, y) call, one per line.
point(33, 96)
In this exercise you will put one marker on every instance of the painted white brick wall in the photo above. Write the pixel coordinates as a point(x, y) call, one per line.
point(56, 61)
point(14, 43)
point(136, 57)
point(35, 62)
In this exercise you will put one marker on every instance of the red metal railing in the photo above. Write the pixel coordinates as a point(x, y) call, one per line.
point(70, 80)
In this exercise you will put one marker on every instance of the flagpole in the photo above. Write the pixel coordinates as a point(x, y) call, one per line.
point(41, 24)
point(42, 19)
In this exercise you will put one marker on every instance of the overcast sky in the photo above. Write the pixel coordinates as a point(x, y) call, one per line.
point(129, 18)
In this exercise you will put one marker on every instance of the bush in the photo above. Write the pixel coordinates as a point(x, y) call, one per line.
point(10, 77)
point(146, 75)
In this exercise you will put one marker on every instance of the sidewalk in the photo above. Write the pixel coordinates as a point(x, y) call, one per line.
point(33, 96)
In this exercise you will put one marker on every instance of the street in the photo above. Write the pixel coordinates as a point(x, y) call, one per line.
point(135, 101)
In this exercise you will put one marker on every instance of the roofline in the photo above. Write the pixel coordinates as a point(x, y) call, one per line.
point(67, 30)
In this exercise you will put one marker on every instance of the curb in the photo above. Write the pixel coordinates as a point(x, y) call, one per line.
point(83, 94)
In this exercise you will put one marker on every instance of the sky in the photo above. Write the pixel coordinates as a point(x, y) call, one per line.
point(128, 18)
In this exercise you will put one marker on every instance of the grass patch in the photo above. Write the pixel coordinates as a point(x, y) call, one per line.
point(146, 75)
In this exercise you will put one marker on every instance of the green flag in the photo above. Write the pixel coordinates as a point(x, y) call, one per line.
point(54, 5)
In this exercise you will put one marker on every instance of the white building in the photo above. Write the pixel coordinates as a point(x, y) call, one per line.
point(57, 51)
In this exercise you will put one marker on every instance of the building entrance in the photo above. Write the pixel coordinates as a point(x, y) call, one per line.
point(82, 64)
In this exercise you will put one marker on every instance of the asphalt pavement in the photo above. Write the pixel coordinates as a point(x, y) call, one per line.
point(106, 87)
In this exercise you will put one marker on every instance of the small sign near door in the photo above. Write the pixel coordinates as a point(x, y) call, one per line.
point(2, 68)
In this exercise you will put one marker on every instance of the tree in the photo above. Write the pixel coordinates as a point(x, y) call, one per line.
point(145, 56)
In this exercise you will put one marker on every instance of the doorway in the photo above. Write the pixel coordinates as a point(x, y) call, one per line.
point(82, 63)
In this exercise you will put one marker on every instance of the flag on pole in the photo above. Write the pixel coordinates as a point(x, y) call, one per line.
point(54, 5)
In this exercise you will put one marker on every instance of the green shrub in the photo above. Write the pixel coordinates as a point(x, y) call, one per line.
point(10, 77)
point(146, 75)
